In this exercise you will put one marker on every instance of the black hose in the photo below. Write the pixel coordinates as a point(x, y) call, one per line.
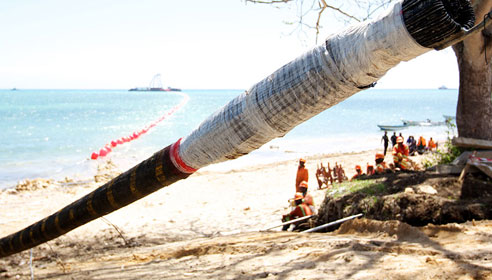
point(431, 22)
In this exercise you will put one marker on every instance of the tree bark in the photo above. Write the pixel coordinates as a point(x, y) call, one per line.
point(474, 109)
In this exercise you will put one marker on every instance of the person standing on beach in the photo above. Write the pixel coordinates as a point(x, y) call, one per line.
point(302, 174)
point(393, 139)
point(386, 141)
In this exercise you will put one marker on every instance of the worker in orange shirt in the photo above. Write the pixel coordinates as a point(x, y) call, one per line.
point(358, 172)
point(432, 145)
point(421, 145)
point(307, 198)
point(302, 174)
point(400, 154)
point(381, 166)
point(301, 210)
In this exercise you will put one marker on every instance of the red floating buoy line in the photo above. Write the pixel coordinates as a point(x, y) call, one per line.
point(135, 135)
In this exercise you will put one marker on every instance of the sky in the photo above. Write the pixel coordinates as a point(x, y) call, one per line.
point(195, 44)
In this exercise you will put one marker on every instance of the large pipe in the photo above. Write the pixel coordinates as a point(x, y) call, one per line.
point(346, 63)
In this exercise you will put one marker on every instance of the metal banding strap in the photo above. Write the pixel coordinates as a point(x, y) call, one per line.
point(57, 224)
point(90, 208)
point(110, 196)
point(31, 236)
point(133, 183)
point(177, 161)
point(159, 169)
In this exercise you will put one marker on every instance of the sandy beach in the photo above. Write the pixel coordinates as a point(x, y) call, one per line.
point(209, 226)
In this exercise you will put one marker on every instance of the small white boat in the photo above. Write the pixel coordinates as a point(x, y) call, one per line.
point(422, 123)
point(392, 127)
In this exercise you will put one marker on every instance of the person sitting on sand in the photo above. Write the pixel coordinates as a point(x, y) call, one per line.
point(400, 155)
point(301, 210)
point(308, 199)
point(381, 166)
point(421, 146)
point(432, 145)
point(369, 169)
point(358, 173)
point(302, 173)
point(412, 146)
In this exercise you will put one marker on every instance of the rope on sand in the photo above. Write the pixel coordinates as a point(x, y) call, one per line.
point(322, 77)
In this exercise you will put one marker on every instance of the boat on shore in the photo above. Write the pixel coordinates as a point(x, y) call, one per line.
point(392, 127)
point(155, 85)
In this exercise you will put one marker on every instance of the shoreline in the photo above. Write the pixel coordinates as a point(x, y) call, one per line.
point(277, 150)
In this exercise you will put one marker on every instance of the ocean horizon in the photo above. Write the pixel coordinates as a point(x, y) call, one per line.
point(51, 133)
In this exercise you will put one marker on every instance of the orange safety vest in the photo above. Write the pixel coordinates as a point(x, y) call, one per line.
point(403, 150)
point(302, 175)
point(432, 145)
point(381, 167)
point(402, 162)
point(301, 210)
point(421, 142)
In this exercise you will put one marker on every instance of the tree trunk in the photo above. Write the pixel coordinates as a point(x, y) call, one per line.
point(474, 110)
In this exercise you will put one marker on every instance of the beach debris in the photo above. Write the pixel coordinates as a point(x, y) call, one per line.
point(479, 144)
point(106, 171)
point(476, 163)
point(426, 189)
point(344, 64)
point(33, 184)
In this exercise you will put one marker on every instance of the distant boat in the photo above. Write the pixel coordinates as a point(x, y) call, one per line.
point(443, 87)
point(422, 123)
point(14, 89)
point(155, 85)
point(392, 127)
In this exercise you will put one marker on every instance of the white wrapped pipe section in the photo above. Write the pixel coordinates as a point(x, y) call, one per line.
point(317, 80)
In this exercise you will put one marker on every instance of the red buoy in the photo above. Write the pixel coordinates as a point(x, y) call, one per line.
point(103, 153)
point(113, 143)
point(94, 156)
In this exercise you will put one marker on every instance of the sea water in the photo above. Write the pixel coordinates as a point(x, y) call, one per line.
point(52, 133)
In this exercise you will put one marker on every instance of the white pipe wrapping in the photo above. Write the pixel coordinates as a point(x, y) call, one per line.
point(315, 81)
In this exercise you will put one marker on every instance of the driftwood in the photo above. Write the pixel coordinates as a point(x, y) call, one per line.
point(478, 144)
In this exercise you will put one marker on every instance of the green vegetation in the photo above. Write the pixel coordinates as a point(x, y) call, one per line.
point(369, 187)
point(446, 154)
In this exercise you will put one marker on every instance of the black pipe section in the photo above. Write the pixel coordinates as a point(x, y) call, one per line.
point(433, 22)
point(147, 177)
